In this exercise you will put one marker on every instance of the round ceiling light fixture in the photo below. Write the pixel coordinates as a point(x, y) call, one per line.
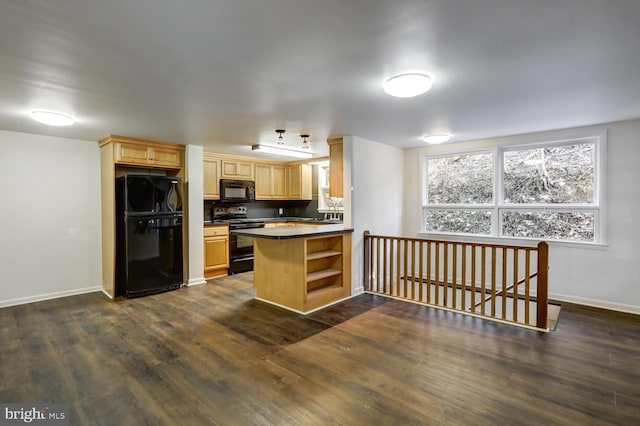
point(52, 118)
point(437, 138)
point(408, 84)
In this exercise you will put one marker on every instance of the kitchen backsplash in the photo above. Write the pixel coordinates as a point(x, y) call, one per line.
point(270, 208)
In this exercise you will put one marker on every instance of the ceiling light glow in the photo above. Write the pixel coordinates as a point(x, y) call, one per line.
point(268, 149)
point(51, 118)
point(438, 138)
point(408, 84)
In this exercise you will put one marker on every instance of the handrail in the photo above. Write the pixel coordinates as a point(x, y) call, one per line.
point(446, 274)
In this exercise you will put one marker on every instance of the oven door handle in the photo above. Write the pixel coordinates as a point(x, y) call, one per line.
point(242, 259)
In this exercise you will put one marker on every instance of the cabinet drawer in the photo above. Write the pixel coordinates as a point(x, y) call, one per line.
point(216, 231)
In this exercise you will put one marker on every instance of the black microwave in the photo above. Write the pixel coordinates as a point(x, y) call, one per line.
point(237, 191)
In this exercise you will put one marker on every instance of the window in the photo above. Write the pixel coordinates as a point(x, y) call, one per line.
point(539, 191)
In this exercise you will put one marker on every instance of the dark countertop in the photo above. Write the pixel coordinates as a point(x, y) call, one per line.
point(279, 219)
point(288, 232)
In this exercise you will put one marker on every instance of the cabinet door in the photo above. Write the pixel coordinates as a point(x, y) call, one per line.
point(245, 170)
point(211, 179)
point(264, 188)
point(216, 253)
point(165, 157)
point(133, 154)
point(335, 168)
point(147, 155)
point(299, 182)
point(237, 169)
point(279, 182)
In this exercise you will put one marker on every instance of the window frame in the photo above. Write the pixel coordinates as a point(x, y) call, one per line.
point(498, 205)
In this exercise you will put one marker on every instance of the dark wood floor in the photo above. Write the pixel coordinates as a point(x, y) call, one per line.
point(212, 355)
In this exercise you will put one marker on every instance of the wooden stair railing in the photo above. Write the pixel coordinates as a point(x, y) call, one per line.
point(493, 281)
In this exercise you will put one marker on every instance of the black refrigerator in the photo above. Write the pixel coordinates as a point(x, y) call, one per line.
point(148, 235)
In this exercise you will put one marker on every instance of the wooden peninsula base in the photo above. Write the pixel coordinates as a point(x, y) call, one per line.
point(302, 268)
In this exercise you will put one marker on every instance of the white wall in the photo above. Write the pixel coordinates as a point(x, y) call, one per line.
point(606, 276)
point(49, 217)
point(375, 173)
point(195, 233)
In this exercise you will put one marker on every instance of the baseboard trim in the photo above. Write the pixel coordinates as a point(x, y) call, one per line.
point(300, 312)
point(620, 307)
point(196, 281)
point(48, 296)
point(107, 294)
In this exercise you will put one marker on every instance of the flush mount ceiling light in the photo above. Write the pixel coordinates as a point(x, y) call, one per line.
point(305, 143)
point(280, 139)
point(408, 84)
point(52, 118)
point(438, 138)
point(268, 149)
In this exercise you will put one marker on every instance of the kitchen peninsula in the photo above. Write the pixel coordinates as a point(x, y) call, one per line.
point(301, 268)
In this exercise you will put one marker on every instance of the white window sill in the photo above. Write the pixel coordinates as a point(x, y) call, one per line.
point(509, 241)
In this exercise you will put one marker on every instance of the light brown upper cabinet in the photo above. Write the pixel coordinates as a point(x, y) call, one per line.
point(236, 169)
point(270, 181)
point(144, 153)
point(211, 177)
point(335, 168)
point(299, 182)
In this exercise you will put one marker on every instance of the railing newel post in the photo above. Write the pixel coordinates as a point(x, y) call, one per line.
point(542, 285)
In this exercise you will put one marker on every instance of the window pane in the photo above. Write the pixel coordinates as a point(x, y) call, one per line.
point(552, 175)
point(460, 179)
point(549, 225)
point(460, 221)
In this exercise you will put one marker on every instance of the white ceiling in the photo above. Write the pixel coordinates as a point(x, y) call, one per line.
point(226, 73)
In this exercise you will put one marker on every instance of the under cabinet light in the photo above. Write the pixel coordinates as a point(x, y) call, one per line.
point(268, 149)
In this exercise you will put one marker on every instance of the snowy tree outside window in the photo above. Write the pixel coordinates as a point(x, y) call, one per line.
point(544, 191)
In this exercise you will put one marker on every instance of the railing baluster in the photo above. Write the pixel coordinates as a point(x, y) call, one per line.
point(483, 286)
point(429, 271)
point(420, 271)
point(437, 283)
point(515, 285)
point(413, 270)
point(454, 277)
point(493, 281)
point(463, 284)
point(504, 284)
point(390, 267)
point(406, 267)
point(472, 282)
point(445, 275)
point(377, 267)
point(398, 267)
point(527, 285)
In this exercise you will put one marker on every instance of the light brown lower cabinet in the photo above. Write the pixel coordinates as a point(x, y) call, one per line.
point(216, 251)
